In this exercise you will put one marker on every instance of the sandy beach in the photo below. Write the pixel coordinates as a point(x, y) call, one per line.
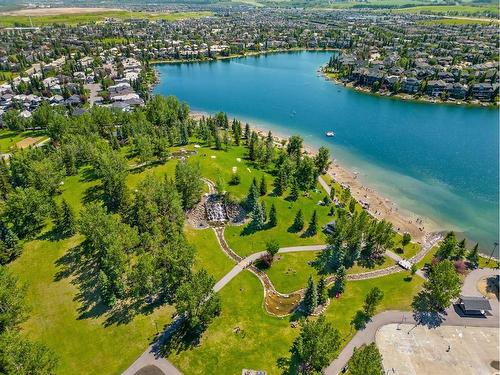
point(380, 207)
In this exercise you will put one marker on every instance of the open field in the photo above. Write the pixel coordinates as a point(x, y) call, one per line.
point(73, 18)
point(439, 351)
point(8, 138)
point(458, 21)
point(450, 10)
point(264, 339)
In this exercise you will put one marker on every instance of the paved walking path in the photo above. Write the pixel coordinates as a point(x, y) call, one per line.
point(151, 356)
point(451, 318)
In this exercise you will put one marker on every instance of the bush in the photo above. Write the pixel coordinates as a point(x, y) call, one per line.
point(235, 179)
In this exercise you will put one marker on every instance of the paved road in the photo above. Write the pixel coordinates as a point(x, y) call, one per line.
point(451, 317)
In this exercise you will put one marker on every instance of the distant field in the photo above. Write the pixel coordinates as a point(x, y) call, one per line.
point(464, 10)
point(8, 20)
point(457, 21)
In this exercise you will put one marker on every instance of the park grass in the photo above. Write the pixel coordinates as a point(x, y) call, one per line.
point(8, 138)
point(485, 262)
point(409, 251)
point(209, 254)
point(261, 341)
point(264, 339)
point(290, 271)
point(456, 22)
point(93, 344)
point(82, 18)
point(84, 345)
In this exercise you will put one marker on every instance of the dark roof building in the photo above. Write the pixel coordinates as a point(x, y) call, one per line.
point(474, 305)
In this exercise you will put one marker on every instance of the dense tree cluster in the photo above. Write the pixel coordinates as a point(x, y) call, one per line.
point(357, 237)
point(456, 251)
point(133, 241)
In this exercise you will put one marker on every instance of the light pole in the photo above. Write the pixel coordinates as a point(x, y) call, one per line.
point(495, 245)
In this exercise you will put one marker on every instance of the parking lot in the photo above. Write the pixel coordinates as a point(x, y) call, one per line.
point(409, 350)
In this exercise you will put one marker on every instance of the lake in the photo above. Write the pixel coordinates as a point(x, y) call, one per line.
point(437, 161)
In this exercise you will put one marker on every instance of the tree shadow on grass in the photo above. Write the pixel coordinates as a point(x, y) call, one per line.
point(177, 338)
point(250, 229)
point(93, 194)
point(83, 271)
point(424, 311)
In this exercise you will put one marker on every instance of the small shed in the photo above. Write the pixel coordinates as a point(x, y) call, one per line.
point(474, 305)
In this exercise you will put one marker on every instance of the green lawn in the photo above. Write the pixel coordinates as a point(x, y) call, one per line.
point(464, 10)
point(78, 18)
point(209, 254)
point(290, 271)
point(264, 339)
point(456, 21)
point(9, 138)
point(409, 250)
point(84, 345)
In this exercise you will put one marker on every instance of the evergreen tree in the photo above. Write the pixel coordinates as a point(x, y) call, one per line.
point(257, 217)
point(332, 193)
point(448, 247)
point(247, 133)
point(273, 216)
point(460, 250)
point(67, 222)
point(294, 193)
point(298, 222)
point(473, 257)
point(9, 244)
point(313, 224)
point(252, 198)
point(322, 160)
point(310, 297)
point(322, 292)
point(340, 279)
point(264, 211)
point(263, 186)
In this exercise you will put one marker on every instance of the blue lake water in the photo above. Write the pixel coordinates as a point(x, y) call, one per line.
point(438, 161)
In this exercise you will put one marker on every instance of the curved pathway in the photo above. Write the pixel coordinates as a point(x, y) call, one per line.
point(152, 357)
point(450, 318)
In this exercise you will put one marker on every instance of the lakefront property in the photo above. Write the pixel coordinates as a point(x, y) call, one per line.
point(249, 188)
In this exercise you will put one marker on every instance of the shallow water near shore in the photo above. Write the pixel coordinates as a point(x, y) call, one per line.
point(436, 161)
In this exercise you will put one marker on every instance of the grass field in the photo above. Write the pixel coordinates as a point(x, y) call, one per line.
point(73, 19)
point(209, 255)
point(461, 10)
point(456, 21)
point(264, 339)
point(9, 138)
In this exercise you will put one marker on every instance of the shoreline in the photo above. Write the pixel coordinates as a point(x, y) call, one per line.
point(406, 97)
point(327, 76)
point(239, 56)
point(381, 207)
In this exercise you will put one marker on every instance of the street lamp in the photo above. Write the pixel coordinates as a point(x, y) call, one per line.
point(495, 245)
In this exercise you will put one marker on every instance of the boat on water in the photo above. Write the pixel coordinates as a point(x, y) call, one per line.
point(330, 134)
